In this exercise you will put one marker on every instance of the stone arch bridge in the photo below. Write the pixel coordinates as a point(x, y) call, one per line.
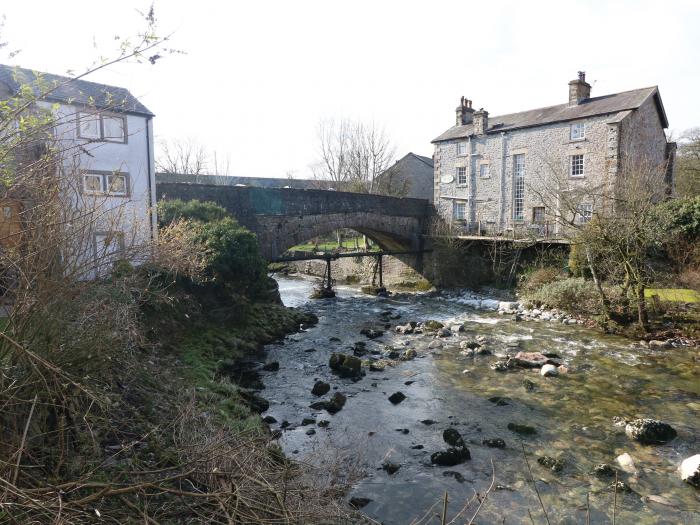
point(285, 217)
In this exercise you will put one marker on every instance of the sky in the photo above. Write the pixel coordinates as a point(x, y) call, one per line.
point(252, 80)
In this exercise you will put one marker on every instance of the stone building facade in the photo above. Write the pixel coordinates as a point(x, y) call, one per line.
point(505, 174)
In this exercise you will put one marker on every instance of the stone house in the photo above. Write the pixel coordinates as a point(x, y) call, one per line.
point(410, 176)
point(498, 175)
point(105, 139)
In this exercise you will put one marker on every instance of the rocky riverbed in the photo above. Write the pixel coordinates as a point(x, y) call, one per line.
point(424, 392)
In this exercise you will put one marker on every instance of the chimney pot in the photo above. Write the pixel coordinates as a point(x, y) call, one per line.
point(481, 122)
point(464, 112)
point(579, 89)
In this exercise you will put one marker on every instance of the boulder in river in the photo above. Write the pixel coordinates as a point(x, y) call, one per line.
point(444, 332)
point(649, 431)
point(345, 365)
point(690, 470)
point(494, 443)
point(524, 430)
point(530, 359)
point(627, 463)
point(377, 366)
point(454, 474)
point(255, 402)
point(553, 464)
point(321, 388)
point(272, 366)
point(335, 404)
point(450, 457)
point(406, 328)
point(434, 345)
point(408, 355)
point(603, 470)
point(432, 325)
point(390, 468)
point(371, 333)
point(397, 397)
point(502, 365)
point(469, 344)
point(358, 503)
point(452, 437)
point(549, 371)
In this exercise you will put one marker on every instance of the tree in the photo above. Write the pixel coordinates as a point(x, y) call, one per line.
point(352, 154)
point(688, 164)
point(187, 157)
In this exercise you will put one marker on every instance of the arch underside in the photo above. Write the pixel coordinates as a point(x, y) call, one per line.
point(390, 233)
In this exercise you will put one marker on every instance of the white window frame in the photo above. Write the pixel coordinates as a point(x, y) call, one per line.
point(484, 166)
point(519, 187)
point(459, 210)
point(461, 149)
point(584, 213)
point(461, 175)
point(577, 131)
point(99, 118)
point(104, 177)
point(577, 169)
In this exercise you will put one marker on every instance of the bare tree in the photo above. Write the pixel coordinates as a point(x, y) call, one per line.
point(352, 154)
point(188, 157)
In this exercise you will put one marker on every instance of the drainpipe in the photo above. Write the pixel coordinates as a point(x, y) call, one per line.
point(151, 197)
point(502, 182)
point(469, 183)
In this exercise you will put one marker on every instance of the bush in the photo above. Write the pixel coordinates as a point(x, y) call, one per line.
point(169, 211)
point(575, 295)
point(538, 278)
point(682, 216)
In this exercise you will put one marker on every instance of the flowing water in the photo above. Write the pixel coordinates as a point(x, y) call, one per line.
point(572, 413)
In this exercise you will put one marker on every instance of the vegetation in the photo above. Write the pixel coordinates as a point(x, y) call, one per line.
point(688, 164)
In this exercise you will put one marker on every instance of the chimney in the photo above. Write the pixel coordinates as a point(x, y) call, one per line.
point(579, 89)
point(464, 112)
point(481, 121)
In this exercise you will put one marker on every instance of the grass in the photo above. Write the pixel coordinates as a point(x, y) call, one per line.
point(674, 295)
point(330, 246)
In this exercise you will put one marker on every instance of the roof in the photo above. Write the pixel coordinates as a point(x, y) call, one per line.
point(67, 90)
point(596, 106)
point(426, 160)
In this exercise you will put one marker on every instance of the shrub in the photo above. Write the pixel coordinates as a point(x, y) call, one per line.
point(575, 295)
point(538, 278)
point(194, 210)
point(682, 216)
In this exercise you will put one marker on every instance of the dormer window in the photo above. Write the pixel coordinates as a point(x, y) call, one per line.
point(102, 127)
point(578, 131)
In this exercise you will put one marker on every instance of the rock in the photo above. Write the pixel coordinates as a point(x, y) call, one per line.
point(310, 432)
point(371, 333)
point(469, 344)
point(285, 424)
point(377, 366)
point(465, 371)
point(690, 470)
point(549, 371)
point(359, 349)
point(359, 503)
point(390, 468)
point(494, 443)
point(272, 366)
point(323, 423)
point(502, 365)
point(499, 401)
point(403, 430)
point(428, 422)
point(444, 332)
point(454, 474)
point(255, 402)
point(525, 430)
point(553, 464)
point(529, 385)
point(450, 457)
point(334, 340)
point(656, 344)
point(508, 307)
point(452, 437)
point(408, 355)
point(562, 369)
point(308, 421)
point(397, 397)
point(619, 486)
point(434, 345)
point(404, 329)
point(321, 388)
point(408, 383)
point(603, 470)
point(649, 431)
point(530, 359)
point(455, 328)
point(336, 403)
point(626, 463)
point(433, 325)
point(417, 447)
point(269, 420)
point(345, 365)
point(619, 421)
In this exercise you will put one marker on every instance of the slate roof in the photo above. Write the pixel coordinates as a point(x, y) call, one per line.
point(596, 106)
point(75, 92)
point(426, 160)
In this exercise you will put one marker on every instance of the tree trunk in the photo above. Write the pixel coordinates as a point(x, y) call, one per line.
point(605, 304)
point(642, 308)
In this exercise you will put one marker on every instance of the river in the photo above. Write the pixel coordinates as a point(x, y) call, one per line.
point(572, 413)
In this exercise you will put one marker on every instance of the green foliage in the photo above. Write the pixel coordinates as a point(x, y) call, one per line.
point(578, 265)
point(194, 210)
point(538, 278)
point(682, 216)
point(575, 295)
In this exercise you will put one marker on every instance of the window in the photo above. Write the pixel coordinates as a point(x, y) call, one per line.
point(518, 187)
point(461, 148)
point(578, 131)
point(538, 215)
point(459, 211)
point(462, 175)
point(585, 213)
point(108, 244)
point(106, 183)
point(576, 166)
point(110, 128)
point(484, 172)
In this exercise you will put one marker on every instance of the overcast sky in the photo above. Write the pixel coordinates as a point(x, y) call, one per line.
point(256, 77)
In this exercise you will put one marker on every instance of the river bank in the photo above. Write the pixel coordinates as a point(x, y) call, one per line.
point(446, 387)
